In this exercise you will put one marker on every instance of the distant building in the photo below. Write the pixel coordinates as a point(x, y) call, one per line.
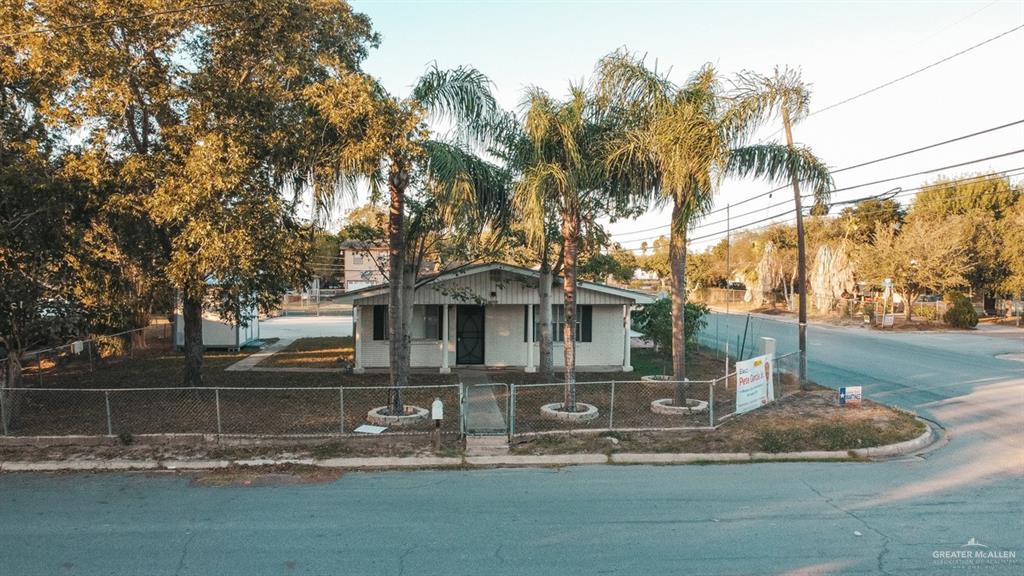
point(363, 264)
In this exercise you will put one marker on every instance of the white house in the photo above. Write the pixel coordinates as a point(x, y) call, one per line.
point(219, 333)
point(480, 316)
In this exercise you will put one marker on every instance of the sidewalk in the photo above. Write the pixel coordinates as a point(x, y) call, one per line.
point(929, 440)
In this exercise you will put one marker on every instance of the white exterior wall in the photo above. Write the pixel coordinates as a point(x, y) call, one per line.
point(504, 343)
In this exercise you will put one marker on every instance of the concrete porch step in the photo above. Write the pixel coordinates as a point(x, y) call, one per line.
point(486, 445)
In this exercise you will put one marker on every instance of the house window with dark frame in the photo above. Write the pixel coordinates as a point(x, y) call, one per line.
point(380, 322)
point(584, 323)
point(426, 322)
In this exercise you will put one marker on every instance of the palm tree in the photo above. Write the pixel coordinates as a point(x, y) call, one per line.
point(563, 172)
point(386, 141)
point(786, 94)
point(680, 142)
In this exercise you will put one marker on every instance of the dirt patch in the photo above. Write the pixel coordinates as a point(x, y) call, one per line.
point(353, 446)
point(798, 422)
point(270, 475)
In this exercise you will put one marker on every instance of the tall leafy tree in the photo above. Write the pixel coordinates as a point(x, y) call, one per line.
point(204, 119)
point(679, 141)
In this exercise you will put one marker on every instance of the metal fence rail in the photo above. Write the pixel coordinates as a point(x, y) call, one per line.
point(214, 410)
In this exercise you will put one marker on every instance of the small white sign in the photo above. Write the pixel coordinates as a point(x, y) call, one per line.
point(851, 395)
point(888, 319)
point(371, 429)
point(437, 410)
point(77, 347)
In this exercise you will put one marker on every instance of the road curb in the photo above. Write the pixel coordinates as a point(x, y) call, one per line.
point(930, 436)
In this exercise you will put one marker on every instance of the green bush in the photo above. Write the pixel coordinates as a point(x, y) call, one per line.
point(654, 321)
point(960, 312)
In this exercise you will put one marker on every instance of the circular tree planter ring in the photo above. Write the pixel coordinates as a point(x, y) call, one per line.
point(413, 415)
point(665, 406)
point(657, 378)
point(585, 413)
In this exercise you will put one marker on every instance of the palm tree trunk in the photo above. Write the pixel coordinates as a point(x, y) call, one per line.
point(801, 251)
point(570, 229)
point(192, 317)
point(398, 179)
point(677, 268)
point(546, 362)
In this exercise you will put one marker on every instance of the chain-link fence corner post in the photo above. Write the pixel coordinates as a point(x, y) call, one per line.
point(711, 403)
point(611, 408)
point(110, 424)
point(462, 410)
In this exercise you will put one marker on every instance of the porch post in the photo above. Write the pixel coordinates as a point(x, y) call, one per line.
point(626, 313)
point(529, 339)
point(357, 367)
point(444, 340)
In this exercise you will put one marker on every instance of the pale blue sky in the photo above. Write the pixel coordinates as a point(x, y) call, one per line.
point(842, 49)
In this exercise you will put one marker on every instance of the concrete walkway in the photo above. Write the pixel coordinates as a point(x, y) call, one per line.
point(250, 361)
point(483, 414)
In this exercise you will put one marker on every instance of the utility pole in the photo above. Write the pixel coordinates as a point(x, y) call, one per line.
point(801, 250)
point(728, 263)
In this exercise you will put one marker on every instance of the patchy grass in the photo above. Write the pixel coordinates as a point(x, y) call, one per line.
point(349, 446)
point(327, 352)
point(798, 422)
point(270, 475)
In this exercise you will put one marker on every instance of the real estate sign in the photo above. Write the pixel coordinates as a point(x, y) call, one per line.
point(754, 385)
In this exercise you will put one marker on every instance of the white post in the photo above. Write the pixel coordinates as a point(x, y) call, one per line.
point(444, 340)
point(768, 348)
point(529, 339)
point(626, 362)
point(357, 325)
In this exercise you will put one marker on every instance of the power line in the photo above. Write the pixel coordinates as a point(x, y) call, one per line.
point(844, 169)
point(55, 29)
point(918, 71)
point(854, 187)
point(1002, 174)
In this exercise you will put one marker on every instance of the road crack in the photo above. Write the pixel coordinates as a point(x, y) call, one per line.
point(184, 553)
point(886, 539)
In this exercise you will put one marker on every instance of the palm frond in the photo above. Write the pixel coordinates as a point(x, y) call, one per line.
point(779, 164)
point(463, 96)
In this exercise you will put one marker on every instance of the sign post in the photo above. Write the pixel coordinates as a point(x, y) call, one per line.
point(437, 414)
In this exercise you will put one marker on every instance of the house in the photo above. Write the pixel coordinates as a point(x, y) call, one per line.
point(362, 264)
point(482, 315)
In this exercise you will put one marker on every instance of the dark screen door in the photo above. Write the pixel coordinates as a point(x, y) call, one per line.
point(469, 335)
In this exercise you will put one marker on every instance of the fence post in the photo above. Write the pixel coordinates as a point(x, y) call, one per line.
point(711, 402)
point(611, 409)
point(341, 410)
point(88, 346)
point(3, 407)
point(39, 367)
point(512, 411)
point(110, 427)
point(462, 411)
point(216, 399)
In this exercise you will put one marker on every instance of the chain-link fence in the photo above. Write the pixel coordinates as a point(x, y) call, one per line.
point(67, 364)
point(611, 405)
point(226, 411)
point(785, 381)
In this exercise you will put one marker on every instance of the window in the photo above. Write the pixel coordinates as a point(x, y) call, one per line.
point(426, 323)
point(584, 323)
point(380, 322)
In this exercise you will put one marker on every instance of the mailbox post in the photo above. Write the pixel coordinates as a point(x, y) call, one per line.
point(437, 414)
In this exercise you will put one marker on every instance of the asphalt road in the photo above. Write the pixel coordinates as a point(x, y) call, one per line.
point(892, 517)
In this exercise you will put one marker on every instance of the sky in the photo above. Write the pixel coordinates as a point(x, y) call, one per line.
point(841, 49)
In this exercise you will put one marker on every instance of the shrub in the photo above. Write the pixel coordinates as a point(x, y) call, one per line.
point(960, 312)
point(654, 321)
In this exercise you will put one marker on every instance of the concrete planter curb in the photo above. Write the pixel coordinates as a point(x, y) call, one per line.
point(927, 438)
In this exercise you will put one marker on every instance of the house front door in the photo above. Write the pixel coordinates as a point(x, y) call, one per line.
point(469, 335)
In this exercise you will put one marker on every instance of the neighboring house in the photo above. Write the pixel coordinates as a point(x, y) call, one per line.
point(362, 264)
point(482, 316)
